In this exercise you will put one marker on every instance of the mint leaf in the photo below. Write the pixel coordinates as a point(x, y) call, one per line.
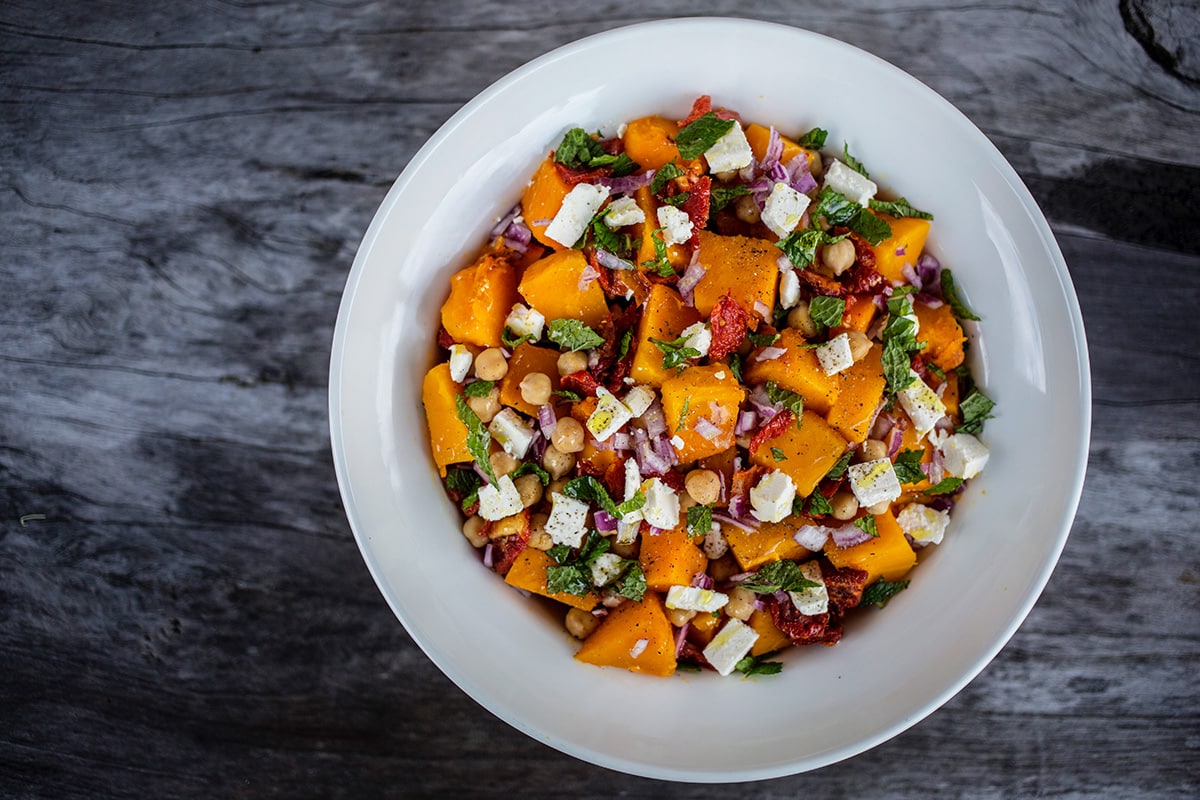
point(778, 576)
point(835, 207)
point(897, 365)
point(699, 135)
point(530, 468)
point(588, 489)
point(763, 339)
point(786, 398)
point(870, 227)
point(879, 592)
point(975, 408)
point(867, 525)
point(665, 173)
point(479, 388)
point(512, 341)
point(898, 208)
point(757, 665)
point(464, 481)
point(632, 504)
point(677, 200)
point(839, 469)
point(827, 310)
point(814, 139)
point(621, 164)
point(721, 196)
point(571, 334)
point(577, 149)
point(478, 438)
point(699, 520)
point(735, 366)
point(623, 347)
point(950, 295)
point(567, 579)
point(605, 238)
point(675, 353)
point(819, 506)
point(632, 583)
point(908, 466)
point(568, 395)
point(853, 163)
point(800, 247)
point(778, 454)
point(947, 485)
point(687, 404)
point(661, 263)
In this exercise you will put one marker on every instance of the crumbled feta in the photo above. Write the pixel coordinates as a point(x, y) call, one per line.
point(662, 505)
point(835, 354)
point(576, 212)
point(811, 600)
point(963, 455)
point(633, 478)
point(624, 211)
point(719, 375)
point(638, 399)
point(524, 321)
point(789, 289)
point(568, 519)
point(874, 481)
point(698, 337)
point(771, 498)
point(606, 568)
point(854, 185)
point(783, 209)
point(628, 527)
point(922, 405)
point(512, 432)
point(730, 645)
point(676, 224)
point(460, 362)
point(922, 523)
point(693, 598)
point(610, 415)
point(715, 543)
point(677, 442)
point(500, 500)
point(730, 152)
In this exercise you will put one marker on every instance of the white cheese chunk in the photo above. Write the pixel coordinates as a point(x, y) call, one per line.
point(676, 224)
point(922, 523)
point(460, 362)
point(624, 211)
point(854, 185)
point(730, 645)
point(835, 354)
point(628, 527)
point(922, 405)
point(606, 568)
point(512, 432)
point(677, 442)
point(638, 399)
point(783, 209)
point(576, 212)
point(633, 479)
point(524, 321)
point(811, 600)
point(698, 337)
point(662, 505)
point(610, 415)
point(732, 151)
point(771, 498)
point(789, 289)
point(568, 519)
point(874, 482)
point(715, 543)
point(693, 598)
point(499, 500)
point(963, 455)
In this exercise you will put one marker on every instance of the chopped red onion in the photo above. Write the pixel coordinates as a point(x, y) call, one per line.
point(702, 580)
point(770, 353)
point(547, 420)
point(911, 275)
point(588, 275)
point(654, 419)
point(502, 224)
point(849, 535)
point(537, 446)
point(883, 424)
point(778, 174)
point(894, 440)
point(798, 175)
point(542, 223)
point(748, 527)
point(489, 555)
point(774, 150)
point(762, 310)
point(665, 450)
point(745, 422)
point(762, 403)
point(609, 261)
point(928, 299)
point(930, 270)
point(621, 441)
point(759, 605)
point(737, 506)
point(812, 537)
point(604, 521)
point(653, 531)
point(706, 428)
point(902, 251)
point(784, 263)
point(760, 189)
point(599, 612)
point(681, 638)
point(481, 474)
point(628, 183)
point(691, 276)
point(936, 467)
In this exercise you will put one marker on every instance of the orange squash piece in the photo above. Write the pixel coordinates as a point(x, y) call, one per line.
point(771, 542)
point(859, 313)
point(950, 395)
point(809, 453)
point(740, 266)
point(677, 255)
point(770, 638)
point(888, 556)
point(862, 389)
point(704, 626)
point(798, 370)
point(528, 572)
point(908, 237)
point(758, 136)
point(551, 286)
point(525, 359)
point(664, 317)
point(711, 393)
point(447, 434)
point(542, 199)
point(650, 142)
point(618, 641)
point(480, 298)
point(942, 334)
point(670, 558)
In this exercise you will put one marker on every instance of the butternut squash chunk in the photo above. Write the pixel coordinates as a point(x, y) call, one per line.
point(741, 267)
point(859, 396)
point(942, 335)
point(447, 434)
point(770, 638)
point(670, 558)
point(859, 313)
point(480, 298)
point(702, 396)
point(528, 572)
point(551, 286)
point(634, 636)
point(758, 136)
point(798, 370)
point(525, 359)
point(664, 318)
point(771, 542)
point(704, 627)
point(904, 246)
point(542, 199)
point(809, 453)
point(889, 556)
point(650, 142)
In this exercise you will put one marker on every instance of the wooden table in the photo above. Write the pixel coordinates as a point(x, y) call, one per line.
point(184, 611)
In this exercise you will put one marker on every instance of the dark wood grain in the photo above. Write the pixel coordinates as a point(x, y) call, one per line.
point(183, 611)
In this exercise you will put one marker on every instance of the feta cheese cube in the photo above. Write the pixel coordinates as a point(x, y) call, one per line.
point(624, 211)
point(854, 185)
point(576, 212)
point(963, 455)
point(835, 354)
point(789, 289)
point(811, 600)
point(922, 405)
point(628, 528)
point(693, 598)
point(638, 399)
point(922, 523)
point(633, 480)
point(460, 362)
point(783, 209)
point(732, 151)
point(677, 442)
point(512, 432)
point(771, 498)
point(567, 521)
point(698, 337)
point(715, 543)
point(609, 417)
point(606, 568)
point(499, 500)
point(874, 481)
point(730, 645)
point(676, 225)
point(525, 321)
point(662, 505)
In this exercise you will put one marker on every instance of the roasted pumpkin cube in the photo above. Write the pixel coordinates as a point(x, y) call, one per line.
point(650, 142)
point(859, 396)
point(759, 136)
point(447, 433)
point(528, 572)
point(634, 636)
point(798, 370)
point(664, 318)
point(670, 558)
point(551, 286)
point(542, 199)
point(480, 298)
point(739, 266)
point(942, 334)
point(770, 638)
point(771, 542)
point(701, 405)
point(904, 246)
point(528, 358)
point(860, 311)
point(888, 556)
point(809, 452)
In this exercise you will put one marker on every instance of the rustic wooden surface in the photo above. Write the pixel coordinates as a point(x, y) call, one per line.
point(183, 611)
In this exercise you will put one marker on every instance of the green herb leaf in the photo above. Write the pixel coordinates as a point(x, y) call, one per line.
point(665, 173)
point(478, 438)
point(528, 468)
point(699, 520)
point(687, 405)
point(814, 139)
point(623, 347)
point(867, 525)
point(512, 341)
point(839, 469)
point(675, 353)
point(818, 505)
point(879, 592)
point(567, 579)
point(975, 408)
point(827, 310)
point(721, 196)
point(763, 339)
point(778, 576)
point(588, 489)
point(568, 395)
point(632, 583)
point(897, 366)
point(677, 199)
point(479, 388)
point(853, 163)
point(735, 366)
point(800, 247)
point(571, 334)
point(870, 227)
point(463, 481)
point(786, 398)
point(621, 164)
point(577, 149)
point(908, 466)
point(835, 207)
point(758, 665)
point(950, 295)
point(947, 485)
point(699, 135)
point(661, 263)
point(898, 208)
point(778, 454)
point(605, 238)
point(632, 504)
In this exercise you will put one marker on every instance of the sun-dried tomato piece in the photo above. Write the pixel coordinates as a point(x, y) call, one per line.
point(773, 427)
point(821, 284)
point(510, 546)
point(729, 323)
point(845, 586)
point(800, 628)
point(701, 106)
point(573, 176)
point(740, 485)
point(581, 383)
point(697, 205)
point(611, 475)
point(690, 653)
point(444, 339)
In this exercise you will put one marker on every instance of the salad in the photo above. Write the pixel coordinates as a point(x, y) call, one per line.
point(705, 391)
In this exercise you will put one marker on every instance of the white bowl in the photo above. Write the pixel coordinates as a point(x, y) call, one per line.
point(895, 666)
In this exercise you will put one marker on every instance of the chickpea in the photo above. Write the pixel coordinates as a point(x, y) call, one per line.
point(486, 407)
point(817, 165)
point(530, 489)
point(799, 319)
point(536, 388)
point(703, 485)
point(624, 549)
point(507, 526)
point(568, 435)
point(502, 463)
point(686, 501)
point(490, 365)
point(580, 623)
point(556, 486)
point(873, 450)
point(556, 462)
point(538, 538)
point(472, 530)
point(747, 210)
point(845, 505)
point(723, 568)
point(727, 175)
point(571, 362)
point(860, 344)
point(741, 603)
point(881, 507)
point(838, 256)
point(679, 617)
